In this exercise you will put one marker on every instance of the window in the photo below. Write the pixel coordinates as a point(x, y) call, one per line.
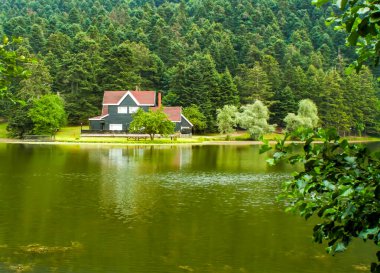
point(133, 109)
point(122, 110)
point(116, 127)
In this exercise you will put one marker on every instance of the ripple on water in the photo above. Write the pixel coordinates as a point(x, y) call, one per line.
point(228, 193)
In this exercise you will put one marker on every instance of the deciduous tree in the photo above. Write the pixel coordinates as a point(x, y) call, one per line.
point(151, 123)
point(339, 185)
point(196, 117)
point(227, 119)
point(48, 114)
point(254, 118)
point(307, 116)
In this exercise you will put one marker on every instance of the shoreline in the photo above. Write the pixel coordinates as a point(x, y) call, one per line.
point(233, 142)
point(203, 143)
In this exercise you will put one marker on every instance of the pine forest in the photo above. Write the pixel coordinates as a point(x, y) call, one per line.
point(201, 54)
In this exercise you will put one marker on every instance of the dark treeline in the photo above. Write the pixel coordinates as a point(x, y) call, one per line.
point(207, 53)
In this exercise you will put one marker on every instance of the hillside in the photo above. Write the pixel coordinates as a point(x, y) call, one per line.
point(208, 53)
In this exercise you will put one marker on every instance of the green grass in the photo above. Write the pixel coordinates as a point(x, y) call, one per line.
point(364, 138)
point(72, 134)
point(125, 141)
point(246, 137)
point(3, 130)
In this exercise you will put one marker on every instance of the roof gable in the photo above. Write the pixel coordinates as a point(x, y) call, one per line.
point(141, 98)
point(173, 113)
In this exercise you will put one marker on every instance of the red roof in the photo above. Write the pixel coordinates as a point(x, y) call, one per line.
point(141, 97)
point(105, 110)
point(98, 117)
point(173, 113)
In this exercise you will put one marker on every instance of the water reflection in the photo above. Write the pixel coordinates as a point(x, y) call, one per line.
point(134, 181)
point(153, 209)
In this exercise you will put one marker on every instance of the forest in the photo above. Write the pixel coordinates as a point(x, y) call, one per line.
point(201, 54)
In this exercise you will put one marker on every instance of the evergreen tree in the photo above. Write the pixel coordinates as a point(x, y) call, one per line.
point(37, 38)
point(228, 90)
point(253, 84)
point(197, 82)
point(360, 94)
point(333, 110)
point(38, 84)
point(285, 103)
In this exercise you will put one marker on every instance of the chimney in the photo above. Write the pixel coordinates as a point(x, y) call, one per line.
point(159, 99)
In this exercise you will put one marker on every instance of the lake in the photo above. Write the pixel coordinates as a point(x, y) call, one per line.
point(154, 209)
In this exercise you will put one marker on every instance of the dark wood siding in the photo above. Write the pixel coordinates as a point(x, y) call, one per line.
point(95, 125)
point(117, 118)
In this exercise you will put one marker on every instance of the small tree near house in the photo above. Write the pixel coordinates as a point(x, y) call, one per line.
point(151, 123)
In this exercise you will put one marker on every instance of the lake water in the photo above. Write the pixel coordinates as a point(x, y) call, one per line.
point(164, 209)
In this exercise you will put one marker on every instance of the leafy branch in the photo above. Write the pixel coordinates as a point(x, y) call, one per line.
point(340, 184)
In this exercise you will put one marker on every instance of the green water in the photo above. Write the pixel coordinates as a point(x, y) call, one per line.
point(153, 209)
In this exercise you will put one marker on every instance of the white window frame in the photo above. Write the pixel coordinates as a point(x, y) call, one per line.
point(133, 109)
point(122, 110)
point(116, 127)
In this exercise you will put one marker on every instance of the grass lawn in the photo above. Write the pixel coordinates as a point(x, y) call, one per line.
point(72, 134)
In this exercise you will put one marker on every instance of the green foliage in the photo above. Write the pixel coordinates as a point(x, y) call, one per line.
point(197, 82)
point(152, 123)
point(360, 19)
point(196, 117)
point(254, 118)
point(227, 119)
point(79, 108)
point(340, 184)
point(47, 114)
point(254, 84)
point(10, 66)
point(37, 84)
point(307, 116)
point(19, 122)
point(285, 103)
point(129, 65)
point(333, 110)
point(228, 94)
point(205, 53)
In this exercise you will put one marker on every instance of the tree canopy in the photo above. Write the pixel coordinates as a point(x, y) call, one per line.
point(360, 19)
point(254, 117)
point(11, 68)
point(227, 119)
point(233, 54)
point(152, 123)
point(340, 184)
point(307, 116)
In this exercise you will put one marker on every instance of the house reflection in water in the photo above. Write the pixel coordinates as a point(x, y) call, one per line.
point(131, 184)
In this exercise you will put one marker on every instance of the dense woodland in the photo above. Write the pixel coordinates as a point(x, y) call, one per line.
point(207, 53)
